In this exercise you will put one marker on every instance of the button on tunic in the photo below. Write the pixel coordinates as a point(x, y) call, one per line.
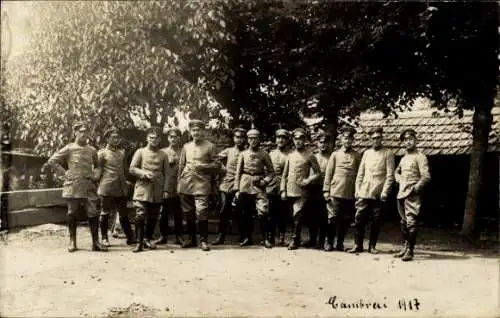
point(113, 182)
point(231, 155)
point(375, 174)
point(278, 158)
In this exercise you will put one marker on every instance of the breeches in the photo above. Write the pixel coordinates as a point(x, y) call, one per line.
point(258, 200)
point(195, 206)
point(409, 209)
point(110, 205)
point(146, 210)
point(366, 208)
point(297, 205)
point(340, 208)
point(88, 204)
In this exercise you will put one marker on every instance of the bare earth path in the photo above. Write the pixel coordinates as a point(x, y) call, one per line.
point(38, 278)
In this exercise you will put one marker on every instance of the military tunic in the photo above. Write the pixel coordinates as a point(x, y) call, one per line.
point(197, 164)
point(340, 180)
point(79, 184)
point(375, 174)
point(254, 167)
point(146, 160)
point(113, 186)
point(231, 156)
point(173, 156)
point(412, 174)
point(298, 166)
point(113, 182)
point(278, 158)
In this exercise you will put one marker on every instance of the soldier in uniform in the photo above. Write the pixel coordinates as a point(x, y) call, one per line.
point(278, 209)
point(373, 184)
point(230, 156)
point(254, 171)
point(197, 167)
point(296, 177)
point(413, 175)
point(113, 186)
point(338, 189)
point(80, 180)
point(151, 167)
point(172, 203)
point(317, 215)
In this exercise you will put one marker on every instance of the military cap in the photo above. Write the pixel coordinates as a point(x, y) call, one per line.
point(253, 133)
point(196, 123)
point(299, 132)
point(110, 131)
point(174, 131)
point(376, 130)
point(323, 134)
point(78, 125)
point(239, 130)
point(349, 131)
point(154, 130)
point(406, 133)
point(282, 133)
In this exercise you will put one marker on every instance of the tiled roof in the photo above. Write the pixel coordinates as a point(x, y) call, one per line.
point(438, 134)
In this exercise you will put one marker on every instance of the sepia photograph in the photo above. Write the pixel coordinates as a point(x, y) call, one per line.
point(250, 158)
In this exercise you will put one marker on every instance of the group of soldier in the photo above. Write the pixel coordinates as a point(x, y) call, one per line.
point(325, 191)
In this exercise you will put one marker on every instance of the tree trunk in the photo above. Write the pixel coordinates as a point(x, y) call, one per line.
point(482, 121)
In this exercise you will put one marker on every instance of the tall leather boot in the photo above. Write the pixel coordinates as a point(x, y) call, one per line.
point(332, 224)
point(163, 229)
point(127, 229)
point(139, 233)
point(191, 241)
point(150, 228)
point(404, 234)
point(358, 239)
point(374, 234)
point(248, 230)
point(313, 234)
point(178, 227)
point(264, 222)
point(342, 227)
point(322, 235)
point(297, 228)
point(223, 224)
point(412, 239)
point(104, 225)
point(94, 232)
point(203, 229)
point(72, 233)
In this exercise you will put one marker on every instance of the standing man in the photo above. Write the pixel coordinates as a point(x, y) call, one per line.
point(171, 202)
point(413, 175)
point(79, 183)
point(278, 208)
point(151, 168)
point(295, 179)
point(338, 189)
point(317, 215)
point(230, 156)
point(254, 171)
point(113, 186)
point(373, 184)
point(197, 166)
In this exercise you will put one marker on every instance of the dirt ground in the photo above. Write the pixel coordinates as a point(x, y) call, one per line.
point(38, 278)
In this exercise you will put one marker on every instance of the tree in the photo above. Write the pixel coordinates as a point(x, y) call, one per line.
point(104, 62)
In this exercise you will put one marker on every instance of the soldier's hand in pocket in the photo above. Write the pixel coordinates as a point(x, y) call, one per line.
point(326, 195)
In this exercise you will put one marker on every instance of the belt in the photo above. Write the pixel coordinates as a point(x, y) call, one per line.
point(254, 174)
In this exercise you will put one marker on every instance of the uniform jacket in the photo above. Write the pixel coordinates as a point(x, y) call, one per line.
point(197, 164)
point(375, 174)
point(412, 174)
point(81, 162)
point(322, 163)
point(231, 155)
point(340, 177)
point(173, 156)
point(278, 159)
point(298, 166)
point(113, 182)
point(145, 160)
point(253, 167)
